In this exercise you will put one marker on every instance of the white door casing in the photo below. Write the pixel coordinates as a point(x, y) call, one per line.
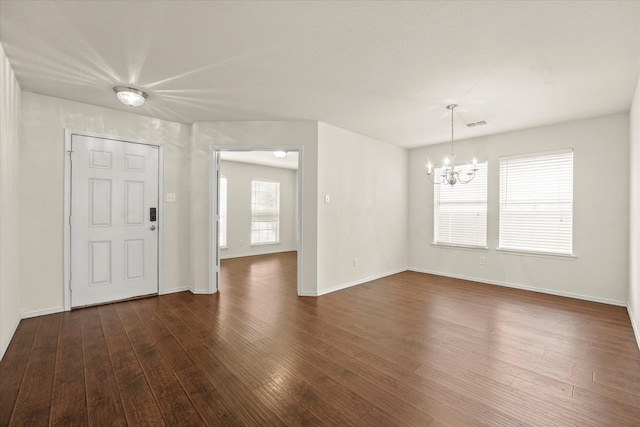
point(113, 238)
point(216, 235)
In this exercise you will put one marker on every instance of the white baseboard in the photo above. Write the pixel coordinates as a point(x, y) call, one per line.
point(7, 341)
point(265, 252)
point(308, 294)
point(201, 292)
point(634, 325)
point(357, 282)
point(36, 313)
point(523, 287)
point(175, 290)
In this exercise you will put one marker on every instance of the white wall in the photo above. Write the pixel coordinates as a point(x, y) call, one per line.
point(239, 177)
point(255, 135)
point(9, 202)
point(634, 257)
point(366, 217)
point(380, 199)
point(44, 120)
point(601, 213)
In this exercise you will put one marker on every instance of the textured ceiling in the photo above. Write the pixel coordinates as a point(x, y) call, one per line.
point(383, 69)
point(265, 158)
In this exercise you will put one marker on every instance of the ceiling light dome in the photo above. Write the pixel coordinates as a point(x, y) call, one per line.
point(130, 96)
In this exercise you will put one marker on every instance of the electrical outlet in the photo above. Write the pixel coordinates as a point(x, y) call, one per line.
point(483, 261)
point(355, 262)
point(171, 198)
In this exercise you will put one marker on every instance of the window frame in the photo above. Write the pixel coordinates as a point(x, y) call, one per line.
point(546, 252)
point(482, 199)
point(265, 214)
point(223, 217)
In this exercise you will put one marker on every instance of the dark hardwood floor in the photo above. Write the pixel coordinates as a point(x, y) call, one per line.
point(410, 349)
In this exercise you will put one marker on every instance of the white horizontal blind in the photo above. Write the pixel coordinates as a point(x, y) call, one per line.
point(265, 212)
point(460, 212)
point(536, 203)
point(222, 211)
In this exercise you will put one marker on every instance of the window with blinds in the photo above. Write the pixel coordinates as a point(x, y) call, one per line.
point(222, 211)
point(265, 212)
point(536, 203)
point(460, 212)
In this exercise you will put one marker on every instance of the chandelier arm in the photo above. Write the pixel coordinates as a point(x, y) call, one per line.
point(435, 182)
point(471, 175)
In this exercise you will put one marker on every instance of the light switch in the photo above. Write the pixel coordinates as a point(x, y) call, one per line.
point(171, 198)
point(327, 199)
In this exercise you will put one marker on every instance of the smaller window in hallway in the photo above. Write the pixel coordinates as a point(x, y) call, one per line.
point(265, 212)
point(222, 231)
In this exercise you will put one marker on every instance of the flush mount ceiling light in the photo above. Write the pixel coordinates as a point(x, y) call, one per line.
point(130, 96)
point(447, 173)
point(279, 154)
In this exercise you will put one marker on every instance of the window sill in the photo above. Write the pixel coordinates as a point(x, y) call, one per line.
point(463, 247)
point(264, 244)
point(565, 257)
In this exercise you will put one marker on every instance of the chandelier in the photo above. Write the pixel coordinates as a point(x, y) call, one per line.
point(448, 173)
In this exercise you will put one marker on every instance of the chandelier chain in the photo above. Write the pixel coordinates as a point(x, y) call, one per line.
point(449, 174)
point(452, 107)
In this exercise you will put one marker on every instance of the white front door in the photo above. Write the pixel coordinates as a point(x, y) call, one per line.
point(114, 223)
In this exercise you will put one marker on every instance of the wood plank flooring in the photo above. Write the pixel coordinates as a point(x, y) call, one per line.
point(409, 349)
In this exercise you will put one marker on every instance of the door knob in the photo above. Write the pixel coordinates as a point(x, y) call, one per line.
point(153, 227)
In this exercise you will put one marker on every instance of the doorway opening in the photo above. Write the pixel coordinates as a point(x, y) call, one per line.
point(255, 205)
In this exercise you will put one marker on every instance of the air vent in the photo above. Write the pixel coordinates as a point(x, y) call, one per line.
point(474, 124)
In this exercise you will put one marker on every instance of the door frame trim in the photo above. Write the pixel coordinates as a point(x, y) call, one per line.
point(68, 133)
point(214, 247)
